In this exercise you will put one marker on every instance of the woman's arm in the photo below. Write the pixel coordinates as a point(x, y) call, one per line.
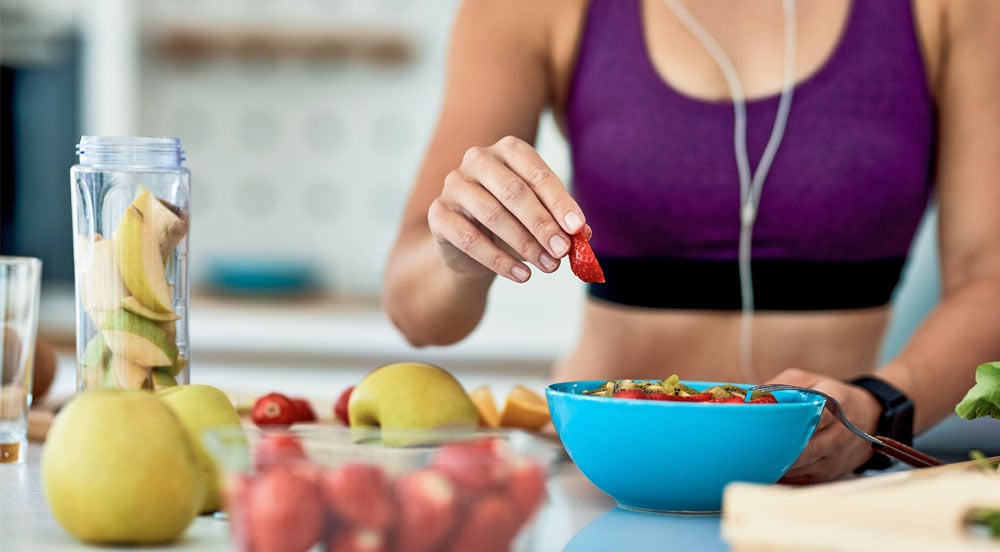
point(483, 201)
point(937, 366)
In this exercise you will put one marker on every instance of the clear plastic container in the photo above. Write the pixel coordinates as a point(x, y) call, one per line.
point(131, 204)
point(322, 487)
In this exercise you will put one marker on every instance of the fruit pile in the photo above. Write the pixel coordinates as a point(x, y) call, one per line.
point(126, 295)
point(671, 389)
point(408, 395)
point(471, 496)
point(278, 409)
point(522, 408)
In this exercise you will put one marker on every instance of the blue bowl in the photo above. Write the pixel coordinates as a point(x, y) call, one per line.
point(678, 456)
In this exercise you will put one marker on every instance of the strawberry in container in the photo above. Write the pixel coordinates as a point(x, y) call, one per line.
point(317, 489)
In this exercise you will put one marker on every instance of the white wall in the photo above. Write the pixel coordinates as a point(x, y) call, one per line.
point(306, 160)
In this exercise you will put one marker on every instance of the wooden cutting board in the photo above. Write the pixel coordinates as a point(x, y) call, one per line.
point(918, 510)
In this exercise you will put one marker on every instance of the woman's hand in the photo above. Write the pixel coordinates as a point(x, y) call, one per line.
point(833, 451)
point(503, 206)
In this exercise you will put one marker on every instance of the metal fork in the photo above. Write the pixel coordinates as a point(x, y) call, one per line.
point(888, 446)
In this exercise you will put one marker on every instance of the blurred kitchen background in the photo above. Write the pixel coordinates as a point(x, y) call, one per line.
point(304, 122)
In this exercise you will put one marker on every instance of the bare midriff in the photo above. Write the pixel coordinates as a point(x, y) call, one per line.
point(618, 342)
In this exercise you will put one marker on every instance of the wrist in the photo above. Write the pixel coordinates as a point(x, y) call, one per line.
point(895, 419)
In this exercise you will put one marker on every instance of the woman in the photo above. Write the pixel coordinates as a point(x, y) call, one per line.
point(893, 102)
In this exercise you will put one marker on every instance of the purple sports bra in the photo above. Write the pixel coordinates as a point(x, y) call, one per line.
point(654, 171)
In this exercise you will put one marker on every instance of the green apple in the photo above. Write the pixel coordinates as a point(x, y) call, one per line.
point(127, 374)
point(177, 367)
point(162, 379)
point(133, 305)
point(170, 329)
point(94, 362)
point(139, 340)
point(118, 468)
point(408, 396)
point(201, 408)
point(101, 286)
point(139, 257)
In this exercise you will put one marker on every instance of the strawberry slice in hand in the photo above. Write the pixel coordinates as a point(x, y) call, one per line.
point(582, 260)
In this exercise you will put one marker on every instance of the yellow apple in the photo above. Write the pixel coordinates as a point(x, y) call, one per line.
point(138, 254)
point(170, 330)
point(132, 304)
point(127, 374)
point(118, 468)
point(169, 223)
point(139, 340)
point(203, 407)
point(408, 396)
point(101, 286)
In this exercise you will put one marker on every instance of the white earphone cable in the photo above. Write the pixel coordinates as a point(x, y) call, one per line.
point(751, 185)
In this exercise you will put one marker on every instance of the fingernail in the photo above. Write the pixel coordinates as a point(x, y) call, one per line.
point(558, 245)
point(547, 262)
point(573, 221)
point(520, 273)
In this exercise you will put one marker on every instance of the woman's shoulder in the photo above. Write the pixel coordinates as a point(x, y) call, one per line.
point(538, 21)
point(529, 14)
point(943, 23)
point(520, 32)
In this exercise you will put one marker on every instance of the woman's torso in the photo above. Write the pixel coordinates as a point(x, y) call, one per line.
point(620, 341)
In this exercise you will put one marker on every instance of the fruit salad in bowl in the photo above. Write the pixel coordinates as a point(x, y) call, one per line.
point(672, 446)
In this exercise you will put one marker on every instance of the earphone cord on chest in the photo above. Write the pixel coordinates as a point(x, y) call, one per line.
point(750, 184)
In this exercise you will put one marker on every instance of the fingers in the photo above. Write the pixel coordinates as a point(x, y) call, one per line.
point(796, 376)
point(532, 169)
point(451, 225)
point(814, 462)
point(832, 453)
point(504, 205)
point(511, 209)
point(825, 420)
point(514, 173)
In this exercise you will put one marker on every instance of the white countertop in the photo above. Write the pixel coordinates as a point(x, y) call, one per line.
point(576, 518)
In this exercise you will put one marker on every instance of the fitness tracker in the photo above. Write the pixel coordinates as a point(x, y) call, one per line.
point(895, 422)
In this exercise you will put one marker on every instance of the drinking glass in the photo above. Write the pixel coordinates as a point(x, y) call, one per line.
point(20, 284)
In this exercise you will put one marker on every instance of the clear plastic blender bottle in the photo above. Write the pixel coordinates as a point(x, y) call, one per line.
point(131, 201)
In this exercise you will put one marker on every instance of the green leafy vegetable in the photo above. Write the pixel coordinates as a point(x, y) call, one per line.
point(984, 400)
point(984, 397)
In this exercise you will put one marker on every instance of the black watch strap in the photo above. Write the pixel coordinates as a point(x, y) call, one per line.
point(896, 420)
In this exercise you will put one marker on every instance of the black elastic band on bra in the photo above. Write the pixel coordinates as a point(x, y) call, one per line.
point(786, 285)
